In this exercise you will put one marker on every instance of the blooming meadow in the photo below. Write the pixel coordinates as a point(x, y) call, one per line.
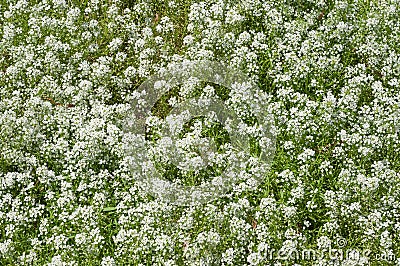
point(328, 75)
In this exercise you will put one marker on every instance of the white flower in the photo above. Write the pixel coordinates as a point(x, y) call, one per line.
point(254, 259)
point(5, 247)
point(306, 155)
point(386, 240)
point(233, 16)
point(107, 261)
point(114, 44)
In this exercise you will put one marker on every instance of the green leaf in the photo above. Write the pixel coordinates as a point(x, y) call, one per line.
point(109, 209)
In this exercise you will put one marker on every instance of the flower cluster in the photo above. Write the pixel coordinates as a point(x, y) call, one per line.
point(328, 71)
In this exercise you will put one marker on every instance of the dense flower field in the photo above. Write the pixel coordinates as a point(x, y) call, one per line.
point(327, 71)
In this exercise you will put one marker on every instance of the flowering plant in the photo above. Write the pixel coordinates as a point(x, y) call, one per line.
point(325, 114)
